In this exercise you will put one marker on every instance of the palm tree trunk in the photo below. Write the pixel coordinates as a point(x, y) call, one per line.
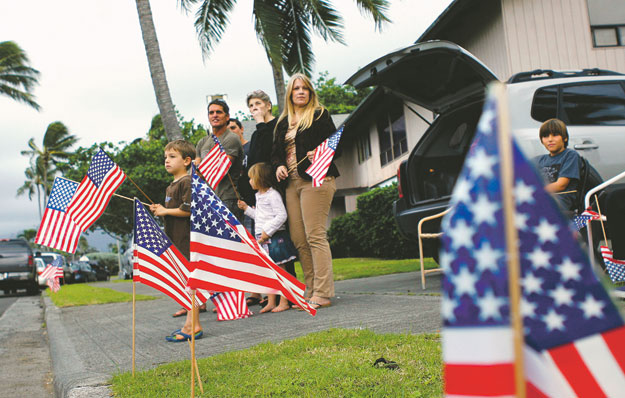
point(278, 81)
point(157, 71)
point(39, 201)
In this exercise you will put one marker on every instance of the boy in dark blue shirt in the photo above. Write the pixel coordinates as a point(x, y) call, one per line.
point(560, 167)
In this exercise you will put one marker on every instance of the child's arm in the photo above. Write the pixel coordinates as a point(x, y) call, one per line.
point(249, 210)
point(161, 211)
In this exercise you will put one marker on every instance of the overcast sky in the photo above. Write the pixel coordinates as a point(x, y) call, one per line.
point(95, 77)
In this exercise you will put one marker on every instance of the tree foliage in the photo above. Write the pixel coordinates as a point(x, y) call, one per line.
point(338, 98)
point(142, 161)
point(370, 231)
point(17, 78)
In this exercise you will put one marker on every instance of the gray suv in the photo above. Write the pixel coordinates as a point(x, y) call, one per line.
point(17, 267)
point(448, 80)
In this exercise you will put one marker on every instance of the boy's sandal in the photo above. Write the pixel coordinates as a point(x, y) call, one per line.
point(173, 338)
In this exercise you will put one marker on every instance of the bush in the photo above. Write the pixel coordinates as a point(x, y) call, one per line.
point(370, 231)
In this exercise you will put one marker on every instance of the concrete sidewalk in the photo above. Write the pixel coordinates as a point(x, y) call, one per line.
point(91, 343)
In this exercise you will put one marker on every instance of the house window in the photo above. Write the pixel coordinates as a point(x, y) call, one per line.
point(607, 22)
point(364, 148)
point(612, 36)
point(392, 131)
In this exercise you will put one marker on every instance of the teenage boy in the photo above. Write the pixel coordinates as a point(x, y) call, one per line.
point(178, 157)
point(219, 119)
point(560, 167)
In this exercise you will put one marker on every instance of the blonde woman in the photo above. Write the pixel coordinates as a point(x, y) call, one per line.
point(302, 126)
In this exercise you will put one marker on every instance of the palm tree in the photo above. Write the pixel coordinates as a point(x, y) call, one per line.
point(17, 79)
point(284, 29)
point(34, 183)
point(56, 142)
point(157, 71)
point(28, 234)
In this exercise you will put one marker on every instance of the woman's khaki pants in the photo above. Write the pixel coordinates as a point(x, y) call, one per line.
point(308, 208)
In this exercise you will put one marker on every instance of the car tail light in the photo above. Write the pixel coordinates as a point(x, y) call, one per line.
point(31, 260)
point(401, 193)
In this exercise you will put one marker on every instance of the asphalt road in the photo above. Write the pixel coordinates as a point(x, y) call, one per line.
point(5, 302)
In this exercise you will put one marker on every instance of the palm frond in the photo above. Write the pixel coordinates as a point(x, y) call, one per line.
point(211, 22)
point(325, 20)
point(297, 55)
point(377, 10)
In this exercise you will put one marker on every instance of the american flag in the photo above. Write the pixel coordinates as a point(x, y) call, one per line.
point(616, 268)
point(573, 332)
point(226, 257)
point(323, 158)
point(230, 305)
point(95, 190)
point(215, 164)
point(581, 220)
point(52, 273)
point(57, 229)
point(157, 262)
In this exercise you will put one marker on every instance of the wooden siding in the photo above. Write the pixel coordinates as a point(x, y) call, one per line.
point(553, 34)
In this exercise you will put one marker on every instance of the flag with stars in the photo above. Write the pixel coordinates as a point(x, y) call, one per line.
point(226, 256)
point(230, 305)
point(57, 229)
point(616, 268)
point(95, 190)
point(323, 158)
point(215, 164)
point(52, 273)
point(574, 335)
point(581, 220)
point(158, 263)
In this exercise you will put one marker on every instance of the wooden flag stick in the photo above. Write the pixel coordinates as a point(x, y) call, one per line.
point(514, 268)
point(297, 164)
point(233, 186)
point(605, 237)
point(127, 198)
point(136, 186)
point(133, 326)
point(193, 344)
point(197, 373)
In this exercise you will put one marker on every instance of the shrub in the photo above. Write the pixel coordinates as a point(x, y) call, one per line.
point(371, 230)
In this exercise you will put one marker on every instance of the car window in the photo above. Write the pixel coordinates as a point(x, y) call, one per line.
point(545, 103)
point(12, 247)
point(47, 259)
point(594, 104)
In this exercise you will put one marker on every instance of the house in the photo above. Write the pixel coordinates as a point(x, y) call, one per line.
point(508, 36)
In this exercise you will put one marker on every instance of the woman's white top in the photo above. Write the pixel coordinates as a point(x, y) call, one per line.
point(270, 213)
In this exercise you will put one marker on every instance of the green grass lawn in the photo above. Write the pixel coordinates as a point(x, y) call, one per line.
point(87, 294)
point(332, 363)
point(352, 268)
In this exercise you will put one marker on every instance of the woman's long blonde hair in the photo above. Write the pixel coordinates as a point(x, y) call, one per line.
point(309, 111)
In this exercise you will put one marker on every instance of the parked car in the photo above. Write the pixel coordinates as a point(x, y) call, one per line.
point(49, 257)
point(17, 267)
point(101, 271)
point(40, 265)
point(82, 272)
point(448, 80)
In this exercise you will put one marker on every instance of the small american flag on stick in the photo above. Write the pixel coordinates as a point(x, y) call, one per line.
point(616, 268)
point(57, 229)
point(52, 273)
point(230, 305)
point(157, 262)
point(95, 190)
point(587, 215)
point(323, 158)
point(215, 164)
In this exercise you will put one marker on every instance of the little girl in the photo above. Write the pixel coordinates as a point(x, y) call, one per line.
point(270, 217)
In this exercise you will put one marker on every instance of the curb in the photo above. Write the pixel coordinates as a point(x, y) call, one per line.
point(71, 380)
